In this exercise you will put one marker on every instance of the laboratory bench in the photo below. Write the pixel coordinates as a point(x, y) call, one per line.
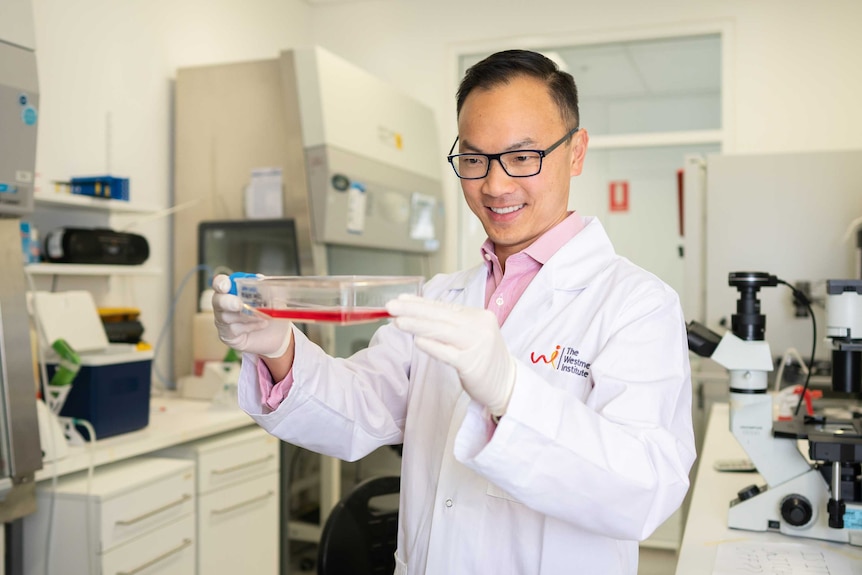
point(706, 524)
point(173, 421)
point(195, 491)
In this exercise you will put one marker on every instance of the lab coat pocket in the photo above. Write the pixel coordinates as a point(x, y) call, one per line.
point(400, 566)
point(495, 491)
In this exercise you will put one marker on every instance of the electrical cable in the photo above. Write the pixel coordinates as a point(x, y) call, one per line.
point(169, 320)
point(41, 342)
point(789, 354)
point(43, 372)
point(848, 234)
point(802, 299)
point(91, 432)
point(161, 213)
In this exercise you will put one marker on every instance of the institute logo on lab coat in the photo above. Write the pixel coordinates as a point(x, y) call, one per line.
point(563, 359)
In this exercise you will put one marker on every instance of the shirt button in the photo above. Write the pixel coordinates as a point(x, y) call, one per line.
point(448, 503)
point(499, 301)
point(488, 257)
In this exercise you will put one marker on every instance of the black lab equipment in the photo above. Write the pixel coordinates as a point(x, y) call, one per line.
point(95, 246)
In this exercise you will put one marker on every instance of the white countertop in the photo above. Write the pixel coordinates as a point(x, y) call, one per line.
point(172, 421)
point(706, 525)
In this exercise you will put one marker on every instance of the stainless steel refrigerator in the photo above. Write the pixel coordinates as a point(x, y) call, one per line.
point(20, 448)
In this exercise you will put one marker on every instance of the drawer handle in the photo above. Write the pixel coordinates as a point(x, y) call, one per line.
point(230, 508)
point(180, 501)
point(226, 470)
point(186, 542)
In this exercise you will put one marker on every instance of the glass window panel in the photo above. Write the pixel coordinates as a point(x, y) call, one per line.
point(665, 85)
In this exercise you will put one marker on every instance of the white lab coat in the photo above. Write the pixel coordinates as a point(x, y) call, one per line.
point(592, 455)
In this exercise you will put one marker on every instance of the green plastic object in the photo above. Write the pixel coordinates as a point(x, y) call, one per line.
point(68, 366)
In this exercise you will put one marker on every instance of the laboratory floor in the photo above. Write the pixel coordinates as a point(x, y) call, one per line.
point(651, 561)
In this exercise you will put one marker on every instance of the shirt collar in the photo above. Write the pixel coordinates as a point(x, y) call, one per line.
point(545, 245)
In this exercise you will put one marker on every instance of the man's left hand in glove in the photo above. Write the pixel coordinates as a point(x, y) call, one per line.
point(468, 339)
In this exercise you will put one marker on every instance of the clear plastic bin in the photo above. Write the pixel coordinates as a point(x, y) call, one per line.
point(325, 299)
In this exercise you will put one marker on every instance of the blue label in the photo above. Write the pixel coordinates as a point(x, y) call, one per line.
point(29, 115)
point(7, 188)
point(235, 276)
point(853, 519)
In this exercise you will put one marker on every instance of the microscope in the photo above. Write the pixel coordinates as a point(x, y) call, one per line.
point(817, 497)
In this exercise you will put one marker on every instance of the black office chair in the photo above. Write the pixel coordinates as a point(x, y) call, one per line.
point(360, 538)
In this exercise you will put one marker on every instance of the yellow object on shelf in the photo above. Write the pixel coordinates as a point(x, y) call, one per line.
point(119, 313)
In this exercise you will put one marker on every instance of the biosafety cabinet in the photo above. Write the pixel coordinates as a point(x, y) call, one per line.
point(357, 166)
point(359, 161)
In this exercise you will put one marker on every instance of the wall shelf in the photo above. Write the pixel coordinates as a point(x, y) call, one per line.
point(89, 270)
point(90, 203)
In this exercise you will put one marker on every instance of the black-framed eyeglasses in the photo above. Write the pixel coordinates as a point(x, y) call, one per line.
point(517, 163)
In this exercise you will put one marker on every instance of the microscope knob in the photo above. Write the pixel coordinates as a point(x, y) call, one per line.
point(836, 509)
point(748, 492)
point(796, 510)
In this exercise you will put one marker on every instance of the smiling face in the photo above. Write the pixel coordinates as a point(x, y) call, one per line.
point(518, 115)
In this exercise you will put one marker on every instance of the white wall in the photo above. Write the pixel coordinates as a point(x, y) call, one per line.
point(794, 84)
point(105, 63)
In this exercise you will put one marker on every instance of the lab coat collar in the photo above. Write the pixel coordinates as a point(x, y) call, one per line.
point(581, 258)
point(571, 268)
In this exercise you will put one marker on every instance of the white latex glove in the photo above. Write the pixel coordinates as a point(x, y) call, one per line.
point(468, 339)
point(245, 331)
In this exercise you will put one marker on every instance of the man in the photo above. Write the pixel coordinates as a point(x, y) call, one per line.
point(543, 397)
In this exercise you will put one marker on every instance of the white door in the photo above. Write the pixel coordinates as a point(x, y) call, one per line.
point(636, 194)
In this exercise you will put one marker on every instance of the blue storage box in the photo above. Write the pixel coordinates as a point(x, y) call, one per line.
point(102, 187)
point(111, 391)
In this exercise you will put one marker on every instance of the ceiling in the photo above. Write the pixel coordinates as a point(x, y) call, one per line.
point(675, 66)
point(655, 67)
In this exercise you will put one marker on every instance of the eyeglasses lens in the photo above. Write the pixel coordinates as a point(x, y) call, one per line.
point(518, 164)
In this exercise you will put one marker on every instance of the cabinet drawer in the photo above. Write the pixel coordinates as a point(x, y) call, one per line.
point(238, 528)
point(124, 500)
point(169, 550)
point(231, 458)
point(145, 506)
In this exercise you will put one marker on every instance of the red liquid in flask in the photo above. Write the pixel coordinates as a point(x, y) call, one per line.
point(326, 315)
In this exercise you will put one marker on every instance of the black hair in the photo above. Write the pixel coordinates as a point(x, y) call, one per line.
point(498, 69)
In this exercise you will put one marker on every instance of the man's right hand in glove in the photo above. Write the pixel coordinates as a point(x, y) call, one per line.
point(249, 333)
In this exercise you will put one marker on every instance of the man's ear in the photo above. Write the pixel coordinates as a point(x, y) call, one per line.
point(580, 140)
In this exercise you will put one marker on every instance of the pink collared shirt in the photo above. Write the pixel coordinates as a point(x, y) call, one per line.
point(502, 290)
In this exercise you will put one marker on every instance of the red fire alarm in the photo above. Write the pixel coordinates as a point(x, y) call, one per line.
point(618, 195)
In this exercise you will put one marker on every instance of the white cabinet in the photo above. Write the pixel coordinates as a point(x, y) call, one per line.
point(238, 528)
point(130, 517)
point(238, 501)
